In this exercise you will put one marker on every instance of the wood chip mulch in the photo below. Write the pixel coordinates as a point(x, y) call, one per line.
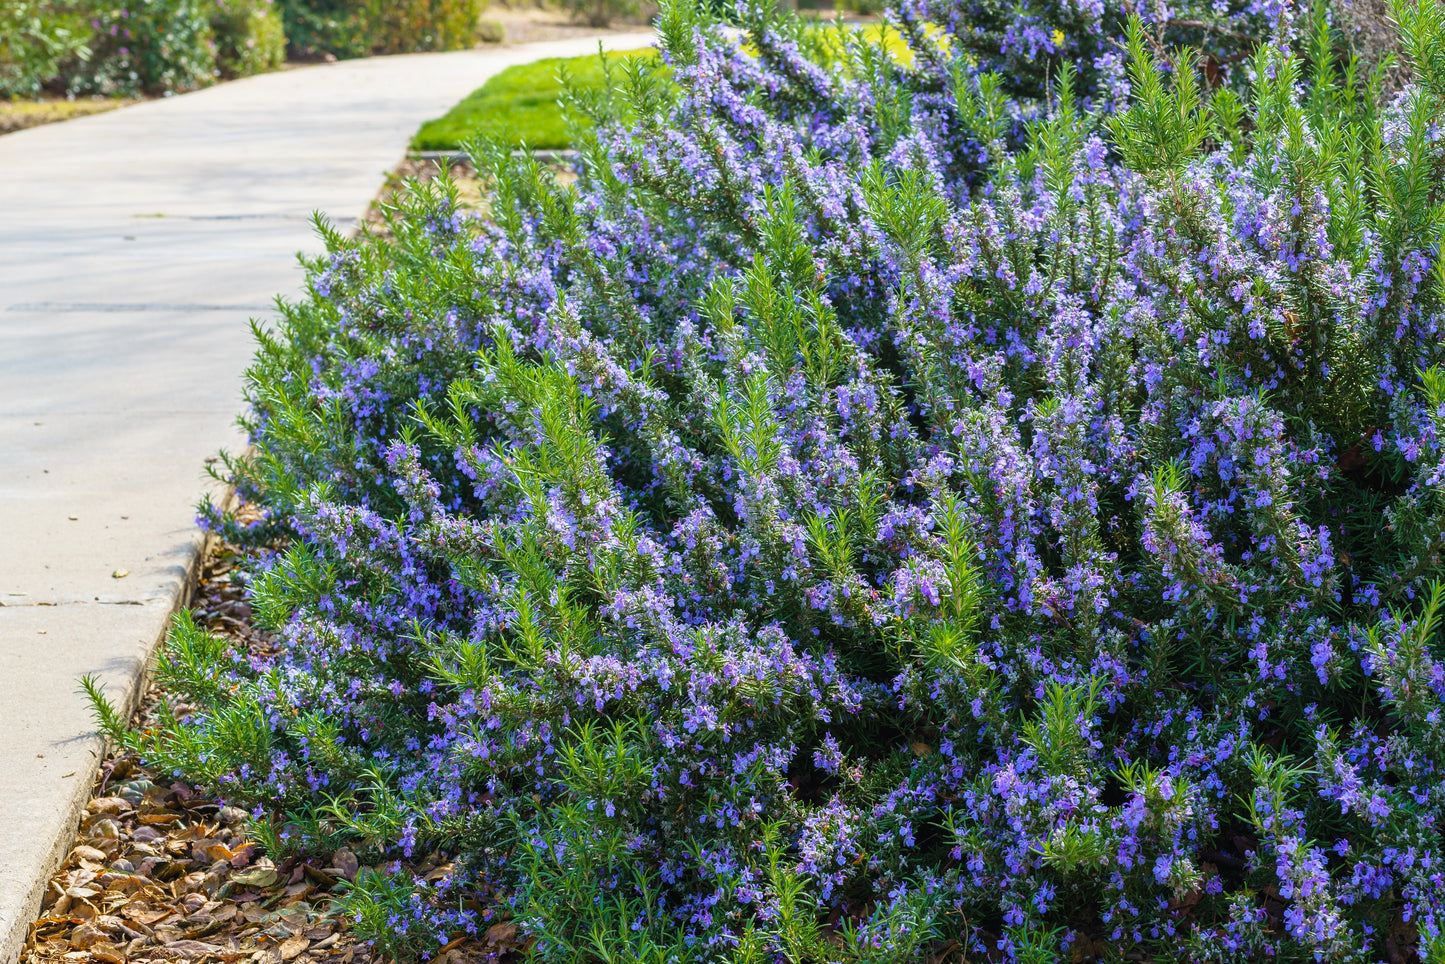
point(159, 871)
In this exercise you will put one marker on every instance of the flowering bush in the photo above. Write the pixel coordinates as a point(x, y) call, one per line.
point(139, 47)
point(890, 506)
point(146, 46)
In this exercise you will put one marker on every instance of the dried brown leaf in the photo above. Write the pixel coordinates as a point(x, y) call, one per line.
point(147, 914)
point(84, 936)
point(292, 947)
point(108, 805)
point(299, 891)
point(155, 798)
point(256, 877)
point(159, 818)
point(345, 861)
point(108, 952)
point(188, 948)
point(218, 851)
point(445, 870)
point(505, 933)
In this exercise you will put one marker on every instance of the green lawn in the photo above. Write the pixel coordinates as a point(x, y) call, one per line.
point(521, 103)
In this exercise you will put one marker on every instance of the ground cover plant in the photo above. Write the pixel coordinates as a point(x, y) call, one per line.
point(985, 504)
point(521, 105)
point(160, 872)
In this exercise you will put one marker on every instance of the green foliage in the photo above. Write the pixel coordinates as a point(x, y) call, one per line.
point(491, 31)
point(1166, 124)
point(317, 27)
point(523, 104)
point(146, 47)
point(777, 547)
point(601, 13)
point(411, 26)
point(250, 37)
point(36, 38)
point(344, 28)
point(140, 47)
point(373, 903)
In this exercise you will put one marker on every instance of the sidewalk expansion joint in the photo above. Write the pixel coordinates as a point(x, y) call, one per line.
point(12, 604)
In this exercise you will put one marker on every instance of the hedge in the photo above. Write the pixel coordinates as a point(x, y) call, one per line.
point(984, 503)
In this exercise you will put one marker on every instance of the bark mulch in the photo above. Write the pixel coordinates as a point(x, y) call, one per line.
point(160, 871)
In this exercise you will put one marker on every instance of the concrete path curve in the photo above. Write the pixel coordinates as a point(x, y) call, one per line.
point(134, 247)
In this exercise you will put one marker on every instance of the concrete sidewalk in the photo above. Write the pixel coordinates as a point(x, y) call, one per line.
point(134, 246)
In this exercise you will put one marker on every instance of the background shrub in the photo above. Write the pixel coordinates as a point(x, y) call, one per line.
point(146, 47)
point(249, 37)
point(601, 13)
point(346, 29)
point(316, 27)
point(491, 31)
point(35, 39)
point(159, 46)
point(888, 507)
point(417, 25)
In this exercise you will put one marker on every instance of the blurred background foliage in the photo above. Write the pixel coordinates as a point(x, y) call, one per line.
point(65, 48)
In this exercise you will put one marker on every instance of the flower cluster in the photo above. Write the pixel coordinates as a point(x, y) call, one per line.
point(887, 504)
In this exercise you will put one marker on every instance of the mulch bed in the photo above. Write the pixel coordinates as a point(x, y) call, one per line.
point(160, 871)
